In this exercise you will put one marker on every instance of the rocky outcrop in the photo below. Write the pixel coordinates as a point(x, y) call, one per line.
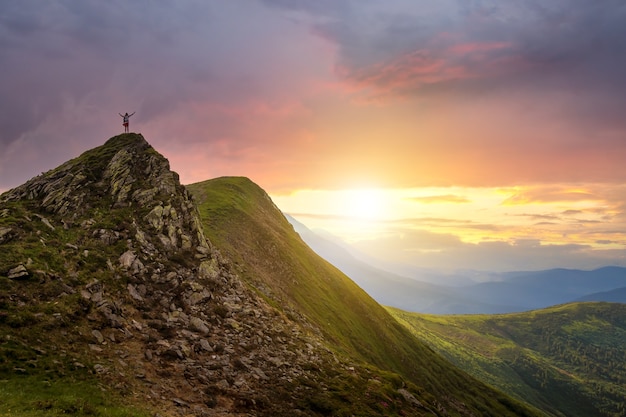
point(126, 172)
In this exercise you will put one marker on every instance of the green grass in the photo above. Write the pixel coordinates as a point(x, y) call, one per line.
point(33, 396)
point(43, 374)
point(567, 360)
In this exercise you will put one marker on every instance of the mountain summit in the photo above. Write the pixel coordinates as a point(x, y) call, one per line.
point(124, 174)
point(113, 298)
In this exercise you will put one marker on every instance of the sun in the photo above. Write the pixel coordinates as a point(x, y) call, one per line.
point(363, 204)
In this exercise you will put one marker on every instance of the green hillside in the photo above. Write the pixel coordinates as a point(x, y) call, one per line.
point(568, 360)
point(243, 223)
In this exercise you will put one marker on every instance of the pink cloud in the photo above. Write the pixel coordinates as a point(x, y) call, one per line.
point(442, 61)
point(475, 47)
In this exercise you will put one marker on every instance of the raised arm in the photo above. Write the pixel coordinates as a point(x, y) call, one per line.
point(121, 115)
point(131, 114)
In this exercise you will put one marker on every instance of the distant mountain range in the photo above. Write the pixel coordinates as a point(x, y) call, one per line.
point(506, 292)
point(617, 295)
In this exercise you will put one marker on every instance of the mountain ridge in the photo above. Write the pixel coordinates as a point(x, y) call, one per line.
point(323, 293)
point(146, 302)
point(113, 289)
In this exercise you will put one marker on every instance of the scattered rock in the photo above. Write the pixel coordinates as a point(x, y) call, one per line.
point(180, 402)
point(205, 345)
point(410, 398)
point(100, 369)
point(233, 324)
point(98, 335)
point(199, 325)
point(259, 372)
point(134, 293)
point(6, 234)
point(46, 222)
point(127, 259)
point(223, 384)
point(19, 272)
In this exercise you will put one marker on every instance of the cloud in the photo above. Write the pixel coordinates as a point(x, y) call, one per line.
point(441, 199)
point(513, 42)
point(445, 252)
point(550, 194)
point(568, 49)
point(541, 216)
point(227, 76)
point(529, 91)
point(468, 93)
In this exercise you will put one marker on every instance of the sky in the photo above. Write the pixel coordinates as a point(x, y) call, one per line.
point(445, 134)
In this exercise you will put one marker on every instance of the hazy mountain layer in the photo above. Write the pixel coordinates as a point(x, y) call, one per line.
point(504, 293)
point(617, 295)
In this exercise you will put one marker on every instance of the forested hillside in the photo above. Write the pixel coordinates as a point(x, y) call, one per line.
point(568, 360)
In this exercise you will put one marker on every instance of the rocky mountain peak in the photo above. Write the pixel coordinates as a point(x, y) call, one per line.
point(104, 259)
point(125, 172)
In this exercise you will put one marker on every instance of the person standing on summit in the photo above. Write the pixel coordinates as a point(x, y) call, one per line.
point(126, 118)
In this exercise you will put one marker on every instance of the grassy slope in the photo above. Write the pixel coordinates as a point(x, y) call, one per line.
point(240, 219)
point(568, 360)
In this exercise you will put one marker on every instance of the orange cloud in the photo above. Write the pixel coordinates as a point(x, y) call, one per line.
point(441, 199)
point(550, 194)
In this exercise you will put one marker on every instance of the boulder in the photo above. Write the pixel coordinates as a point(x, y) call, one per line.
point(134, 293)
point(98, 335)
point(127, 258)
point(199, 325)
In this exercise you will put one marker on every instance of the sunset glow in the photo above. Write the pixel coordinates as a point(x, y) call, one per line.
point(444, 219)
point(441, 134)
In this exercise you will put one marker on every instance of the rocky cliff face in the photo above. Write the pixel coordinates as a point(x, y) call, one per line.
point(104, 259)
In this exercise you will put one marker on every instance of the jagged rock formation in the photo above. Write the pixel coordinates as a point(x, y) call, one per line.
point(105, 270)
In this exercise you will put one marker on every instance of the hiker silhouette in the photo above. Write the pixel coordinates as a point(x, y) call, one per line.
point(126, 119)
